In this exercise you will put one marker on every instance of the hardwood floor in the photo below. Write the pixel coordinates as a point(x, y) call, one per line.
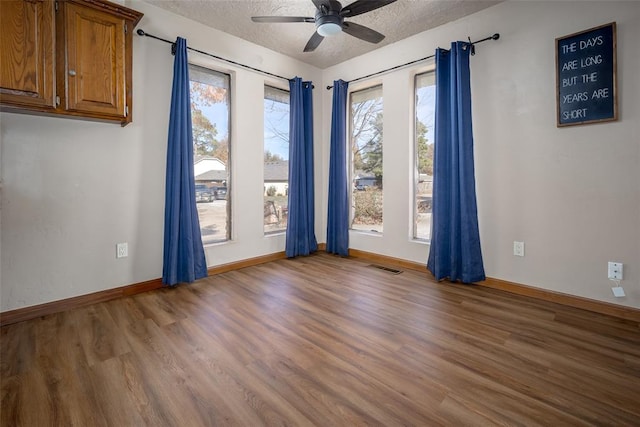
point(321, 341)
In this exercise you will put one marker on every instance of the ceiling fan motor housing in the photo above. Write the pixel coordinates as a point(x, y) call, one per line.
point(328, 19)
point(330, 6)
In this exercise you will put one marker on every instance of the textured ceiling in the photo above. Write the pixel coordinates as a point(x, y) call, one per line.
point(396, 21)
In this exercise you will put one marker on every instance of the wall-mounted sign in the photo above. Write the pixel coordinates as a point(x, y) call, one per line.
point(586, 76)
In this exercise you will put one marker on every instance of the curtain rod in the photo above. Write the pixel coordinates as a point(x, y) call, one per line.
point(142, 33)
point(496, 36)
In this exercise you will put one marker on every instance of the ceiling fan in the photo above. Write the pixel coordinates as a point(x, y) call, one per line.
point(329, 20)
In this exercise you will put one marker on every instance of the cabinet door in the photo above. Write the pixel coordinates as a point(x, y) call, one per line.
point(26, 53)
point(95, 66)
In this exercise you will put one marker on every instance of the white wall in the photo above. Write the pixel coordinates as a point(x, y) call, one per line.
point(72, 189)
point(571, 194)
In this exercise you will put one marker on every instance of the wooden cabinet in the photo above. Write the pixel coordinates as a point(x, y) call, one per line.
point(68, 58)
point(27, 35)
point(95, 69)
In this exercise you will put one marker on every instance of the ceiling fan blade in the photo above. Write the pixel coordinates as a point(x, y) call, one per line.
point(363, 6)
point(362, 32)
point(281, 19)
point(313, 42)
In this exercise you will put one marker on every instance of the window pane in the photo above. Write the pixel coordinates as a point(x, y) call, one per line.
point(210, 122)
point(276, 159)
point(366, 159)
point(424, 138)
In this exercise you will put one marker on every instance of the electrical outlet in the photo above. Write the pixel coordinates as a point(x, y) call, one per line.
point(614, 271)
point(518, 248)
point(122, 250)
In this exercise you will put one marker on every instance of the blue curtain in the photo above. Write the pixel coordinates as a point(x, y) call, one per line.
point(301, 237)
point(338, 210)
point(184, 259)
point(455, 240)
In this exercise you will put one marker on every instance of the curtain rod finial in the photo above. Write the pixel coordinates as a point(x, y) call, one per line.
point(329, 87)
point(141, 32)
point(496, 36)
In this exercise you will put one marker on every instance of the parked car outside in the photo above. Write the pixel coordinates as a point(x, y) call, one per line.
point(204, 193)
point(220, 193)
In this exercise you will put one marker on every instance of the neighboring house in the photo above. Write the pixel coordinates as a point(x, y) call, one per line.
point(363, 180)
point(276, 174)
point(215, 176)
point(210, 171)
point(205, 164)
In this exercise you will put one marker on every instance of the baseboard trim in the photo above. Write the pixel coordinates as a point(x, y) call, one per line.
point(27, 313)
point(384, 259)
point(602, 307)
point(619, 311)
point(32, 312)
point(223, 268)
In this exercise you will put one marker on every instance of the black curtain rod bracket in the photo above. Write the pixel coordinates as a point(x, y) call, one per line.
point(496, 36)
point(473, 48)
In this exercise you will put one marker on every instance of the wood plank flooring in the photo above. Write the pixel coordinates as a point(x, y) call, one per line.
point(321, 341)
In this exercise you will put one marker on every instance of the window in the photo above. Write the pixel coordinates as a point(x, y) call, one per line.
point(366, 159)
point(425, 87)
point(210, 117)
point(276, 159)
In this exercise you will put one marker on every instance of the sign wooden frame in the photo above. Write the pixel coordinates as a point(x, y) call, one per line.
point(586, 83)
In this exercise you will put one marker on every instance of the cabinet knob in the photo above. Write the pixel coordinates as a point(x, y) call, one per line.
point(72, 72)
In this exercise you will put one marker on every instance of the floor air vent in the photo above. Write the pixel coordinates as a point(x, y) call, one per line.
point(387, 269)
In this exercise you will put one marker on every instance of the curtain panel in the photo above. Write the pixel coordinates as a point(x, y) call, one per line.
point(455, 243)
point(300, 235)
point(183, 255)
point(338, 203)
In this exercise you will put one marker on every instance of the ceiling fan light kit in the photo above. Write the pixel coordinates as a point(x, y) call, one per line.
point(329, 29)
point(329, 20)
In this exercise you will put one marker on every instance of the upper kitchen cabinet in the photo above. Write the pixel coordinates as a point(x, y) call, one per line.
point(27, 34)
point(79, 63)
